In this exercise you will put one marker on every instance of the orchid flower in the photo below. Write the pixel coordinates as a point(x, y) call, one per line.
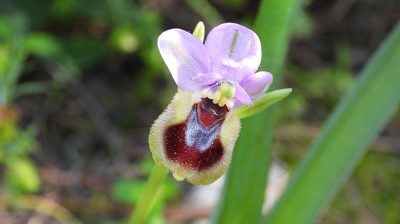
point(194, 137)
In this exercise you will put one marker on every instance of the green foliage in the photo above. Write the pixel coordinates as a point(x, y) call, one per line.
point(149, 202)
point(80, 35)
point(42, 44)
point(359, 116)
point(209, 13)
point(135, 193)
point(85, 50)
point(303, 25)
point(136, 29)
point(21, 174)
point(380, 184)
point(16, 44)
point(323, 87)
point(131, 29)
point(369, 194)
point(127, 191)
point(12, 55)
point(125, 39)
point(14, 142)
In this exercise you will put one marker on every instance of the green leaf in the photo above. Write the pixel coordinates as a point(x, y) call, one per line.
point(357, 119)
point(5, 28)
point(42, 44)
point(22, 176)
point(244, 190)
point(85, 50)
point(8, 131)
point(263, 103)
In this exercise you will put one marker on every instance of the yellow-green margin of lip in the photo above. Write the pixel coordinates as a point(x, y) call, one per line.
point(177, 112)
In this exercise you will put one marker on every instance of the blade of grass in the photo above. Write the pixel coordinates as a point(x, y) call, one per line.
point(359, 116)
point(243, 194)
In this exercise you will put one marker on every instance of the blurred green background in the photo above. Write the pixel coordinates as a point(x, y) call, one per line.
point(82, 81)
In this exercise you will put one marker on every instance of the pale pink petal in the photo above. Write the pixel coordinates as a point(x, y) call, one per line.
point(185, 57)
point(256, 84)
point(234, 51)
point(241, 97)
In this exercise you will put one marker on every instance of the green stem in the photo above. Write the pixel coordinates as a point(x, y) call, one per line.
point(146, 202)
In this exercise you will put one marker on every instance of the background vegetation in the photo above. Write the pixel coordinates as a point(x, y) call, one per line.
point(82, 81)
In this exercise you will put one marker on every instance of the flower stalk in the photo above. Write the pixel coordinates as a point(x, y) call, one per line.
point(146, 202)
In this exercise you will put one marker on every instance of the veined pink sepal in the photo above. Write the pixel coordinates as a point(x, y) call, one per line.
point(194, 138)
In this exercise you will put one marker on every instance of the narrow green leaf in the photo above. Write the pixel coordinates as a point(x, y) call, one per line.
point(359, 116)
point(263, 103)
point(42, 44)
point(244, 190)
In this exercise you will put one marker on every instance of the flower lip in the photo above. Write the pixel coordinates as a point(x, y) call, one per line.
point(195, 144)
point(191, 143)
point(230, 54)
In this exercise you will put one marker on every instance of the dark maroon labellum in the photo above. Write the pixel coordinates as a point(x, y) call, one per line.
point(196, 143)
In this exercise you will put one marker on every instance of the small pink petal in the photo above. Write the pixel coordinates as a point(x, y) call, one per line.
point(185, 57)
point(256, 84)
point(241, 97)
